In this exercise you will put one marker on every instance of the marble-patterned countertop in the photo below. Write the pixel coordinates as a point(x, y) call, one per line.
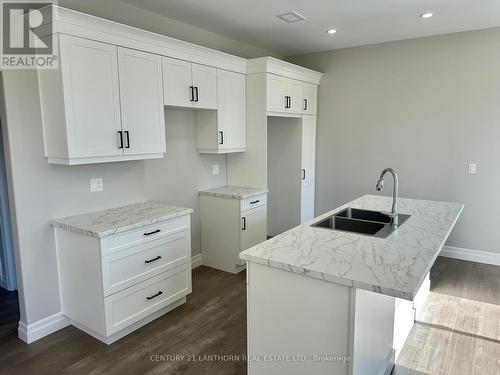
point(394, 266)
point(115, 220)
point(236, 192)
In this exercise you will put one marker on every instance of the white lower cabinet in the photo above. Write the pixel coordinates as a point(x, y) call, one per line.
point(229, 226)
point(116, 284)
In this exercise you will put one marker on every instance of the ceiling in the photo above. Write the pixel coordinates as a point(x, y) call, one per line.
point(359, 22)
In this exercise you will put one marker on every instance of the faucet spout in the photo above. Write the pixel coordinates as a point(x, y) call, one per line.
point(395, 192)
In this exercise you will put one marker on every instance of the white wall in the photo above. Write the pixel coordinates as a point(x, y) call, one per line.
point(40, 192)
point(183, 172)
point(426, 107)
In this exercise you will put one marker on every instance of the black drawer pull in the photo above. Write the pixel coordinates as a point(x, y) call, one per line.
point(191, 89)
point(257, 201)
point(244, 223)
point(152, 260)
point(153, 232)
point(120, 134)
point(155, 295)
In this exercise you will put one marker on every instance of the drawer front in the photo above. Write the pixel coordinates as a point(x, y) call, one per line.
point(151, 232)
point(252, 202)
point(135, 264)
point(137, 302)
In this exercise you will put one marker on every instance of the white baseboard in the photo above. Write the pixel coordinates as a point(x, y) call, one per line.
point(478, 256)
point(196, 260)
point(34, 331)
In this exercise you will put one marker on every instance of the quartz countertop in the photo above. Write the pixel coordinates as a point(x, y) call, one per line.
point(236, 192)
point(394, 266)
point(115, 220)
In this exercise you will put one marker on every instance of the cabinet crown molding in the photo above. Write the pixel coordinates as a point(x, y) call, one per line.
point(72, 22)
point(276, 66)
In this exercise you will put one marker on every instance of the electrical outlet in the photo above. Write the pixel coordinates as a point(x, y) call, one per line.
point(472, 168)
point(215, 169)
point(96, 184)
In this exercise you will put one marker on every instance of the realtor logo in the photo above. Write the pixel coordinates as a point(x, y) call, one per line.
point(27, 37)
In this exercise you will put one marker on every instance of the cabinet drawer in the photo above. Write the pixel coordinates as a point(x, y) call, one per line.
point(128, 267)
point(135, 303)
point(252, 202)
point(151, 232)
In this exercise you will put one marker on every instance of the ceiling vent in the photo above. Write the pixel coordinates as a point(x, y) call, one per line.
point(291, 17)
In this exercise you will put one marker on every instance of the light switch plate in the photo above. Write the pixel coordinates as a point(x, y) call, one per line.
point(96, 184)
point(472, 168)
point(215, 169)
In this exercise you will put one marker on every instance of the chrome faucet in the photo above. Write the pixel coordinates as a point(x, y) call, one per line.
point(380, 185)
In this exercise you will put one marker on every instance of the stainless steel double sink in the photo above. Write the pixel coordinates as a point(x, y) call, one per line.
point(365, 222)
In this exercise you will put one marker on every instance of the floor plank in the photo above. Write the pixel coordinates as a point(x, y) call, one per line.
point(212, 322)
point(458, 332)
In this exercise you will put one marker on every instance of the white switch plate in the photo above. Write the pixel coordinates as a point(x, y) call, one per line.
point(215, 169)
point(472, 168)
point(96, 184)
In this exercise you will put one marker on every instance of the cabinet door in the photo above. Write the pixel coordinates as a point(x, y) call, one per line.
point(309, 98)
point(308, 147)
point(91, 95)
point(177, 83)
point(276, 92)
point(294, 93)
point(141, 94)
point(205, 86)
point(232, 110)
point(306, 201)
point(253, 229)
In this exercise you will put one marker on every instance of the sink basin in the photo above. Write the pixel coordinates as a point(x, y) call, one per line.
point(366, 222)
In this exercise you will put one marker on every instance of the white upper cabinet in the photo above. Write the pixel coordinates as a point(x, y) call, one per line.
point(232, 110)
point(91, 98)
point(204, 86)
point(189, 85)
point(294, 94)
point(309, 98)
point(224, 130)
point(141, 98)
point(177, 83)
point(103, 104)
point(276, 93)
point(290, 97)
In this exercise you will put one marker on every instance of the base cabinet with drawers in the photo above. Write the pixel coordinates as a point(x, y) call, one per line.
point(113, 285)
point(229, 225)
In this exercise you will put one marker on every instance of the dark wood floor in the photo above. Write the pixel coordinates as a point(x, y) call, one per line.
point(458, 332)
point(211, 323)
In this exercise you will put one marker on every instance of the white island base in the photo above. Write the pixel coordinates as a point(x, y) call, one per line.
point(303, 325)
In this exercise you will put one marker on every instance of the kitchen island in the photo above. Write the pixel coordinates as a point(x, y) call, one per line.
point(322, 301)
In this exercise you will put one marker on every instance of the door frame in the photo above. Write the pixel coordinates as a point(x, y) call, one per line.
point(7, 260)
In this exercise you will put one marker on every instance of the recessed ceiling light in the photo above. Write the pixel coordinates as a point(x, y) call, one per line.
point(331, 31)
point(426, 15)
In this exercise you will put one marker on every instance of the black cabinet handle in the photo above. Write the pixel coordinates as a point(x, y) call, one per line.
point(244, 223)
point(257, 201)
point(120, 134)
point(289, 102)
point(286, 102)
point(128, 138)
point(153, 260)
point(153, 232)
point(303, 174)
point(196, 93)
point(305, 104)
point(191, 89)
point(155, 295)
point(221, 140)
